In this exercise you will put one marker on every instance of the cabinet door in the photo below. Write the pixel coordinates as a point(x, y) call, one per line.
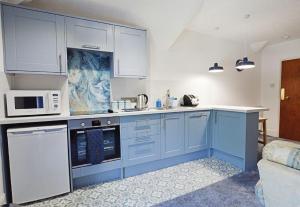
point(34, 41)
point(228, 133)
point(130, 52)
point(172, 134)
point(196, 126)
point(84, 34)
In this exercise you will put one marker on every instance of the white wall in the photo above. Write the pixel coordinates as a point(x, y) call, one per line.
point(184, 69)
point(271, 59)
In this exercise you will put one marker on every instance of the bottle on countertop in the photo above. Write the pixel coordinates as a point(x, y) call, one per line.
point(158, 103)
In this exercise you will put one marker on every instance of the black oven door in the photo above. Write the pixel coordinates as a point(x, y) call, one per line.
point(79, 145)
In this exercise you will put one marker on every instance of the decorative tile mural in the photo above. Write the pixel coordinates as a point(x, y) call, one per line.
point(89, 81)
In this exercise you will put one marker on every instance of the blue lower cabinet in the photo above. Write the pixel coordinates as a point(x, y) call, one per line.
point(196, 131)
point(229, 132)
point(140, 150)
point(172, 134)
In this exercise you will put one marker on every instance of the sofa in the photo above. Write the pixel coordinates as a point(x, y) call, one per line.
point(279, 171)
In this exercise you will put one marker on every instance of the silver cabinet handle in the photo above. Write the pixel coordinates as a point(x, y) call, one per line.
point(215, 117)
point(143, 139)
point(118, 62)
point(196, 116)
point(109, 129)
point(95, 47)
point(60, 63)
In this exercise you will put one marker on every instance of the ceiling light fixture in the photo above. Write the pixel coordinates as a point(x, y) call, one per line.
point(244, 64)
point(216, 68)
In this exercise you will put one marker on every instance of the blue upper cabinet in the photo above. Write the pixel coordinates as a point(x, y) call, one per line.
point(130, 58)
point(196, 131)
point(34, 42)
point(172, 142)
point(92, 35)
point(229, 133)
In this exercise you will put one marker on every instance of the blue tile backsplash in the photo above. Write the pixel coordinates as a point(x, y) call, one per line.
point(89, 81)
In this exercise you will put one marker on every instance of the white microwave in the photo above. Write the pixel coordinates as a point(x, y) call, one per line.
point(32, 103)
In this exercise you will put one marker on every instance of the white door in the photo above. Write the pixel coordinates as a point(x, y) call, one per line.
point(130, 52)
point(38, 159)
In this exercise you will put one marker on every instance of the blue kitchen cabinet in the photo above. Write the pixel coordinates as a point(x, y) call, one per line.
point(235, 137)
point(130, 56)
point(34, 42)
point(228, 133)
point(140, 139)
point(172, 131)
point(91, 35)
point(196, 131)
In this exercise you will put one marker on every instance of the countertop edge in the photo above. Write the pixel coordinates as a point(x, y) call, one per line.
point(18, 120)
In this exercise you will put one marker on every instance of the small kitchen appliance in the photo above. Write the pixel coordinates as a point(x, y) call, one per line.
point(32, 102)
point(190, 100)
point(38, 162)
point(142, 100)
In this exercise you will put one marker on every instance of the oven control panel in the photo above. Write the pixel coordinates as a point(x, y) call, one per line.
point(96, 122)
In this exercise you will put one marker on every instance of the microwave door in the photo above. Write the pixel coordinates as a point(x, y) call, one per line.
point(25, 105)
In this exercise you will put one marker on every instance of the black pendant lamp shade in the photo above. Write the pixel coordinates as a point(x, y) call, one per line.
point(216, 68)
point(244, 64)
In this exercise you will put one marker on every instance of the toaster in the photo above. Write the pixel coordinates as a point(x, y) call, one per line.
point(190, 100)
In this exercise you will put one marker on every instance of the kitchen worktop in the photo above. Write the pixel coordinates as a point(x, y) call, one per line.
point(241, 109)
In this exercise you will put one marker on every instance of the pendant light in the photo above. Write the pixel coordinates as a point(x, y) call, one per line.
point(244, 64)
point(216, 68)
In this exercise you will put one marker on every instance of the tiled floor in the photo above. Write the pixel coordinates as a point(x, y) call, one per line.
point(150, 188)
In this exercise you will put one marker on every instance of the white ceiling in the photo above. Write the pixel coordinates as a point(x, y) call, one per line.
point(166, 19)
point(269, 19)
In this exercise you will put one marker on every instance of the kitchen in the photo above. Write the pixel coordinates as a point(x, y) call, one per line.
point(93, 71)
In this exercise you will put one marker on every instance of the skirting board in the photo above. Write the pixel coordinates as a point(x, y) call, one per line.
point(236, 161)
point(159, 164)
point(137, 169)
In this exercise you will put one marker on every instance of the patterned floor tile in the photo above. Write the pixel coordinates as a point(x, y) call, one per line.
point(147, 189)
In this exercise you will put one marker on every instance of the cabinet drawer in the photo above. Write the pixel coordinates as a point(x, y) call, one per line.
point(132, 131)
point(140, 126)
point(141, 150)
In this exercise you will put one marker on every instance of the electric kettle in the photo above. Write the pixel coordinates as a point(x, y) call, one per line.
point(141, 103)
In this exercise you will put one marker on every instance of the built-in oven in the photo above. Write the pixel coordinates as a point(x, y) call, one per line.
point(94, 141)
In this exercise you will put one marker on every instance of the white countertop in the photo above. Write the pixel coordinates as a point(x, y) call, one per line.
point(242, 109)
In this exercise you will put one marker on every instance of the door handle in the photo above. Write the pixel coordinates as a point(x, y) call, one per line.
point(283, 95)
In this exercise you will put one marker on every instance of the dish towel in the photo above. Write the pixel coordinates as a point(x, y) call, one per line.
point(95, 146)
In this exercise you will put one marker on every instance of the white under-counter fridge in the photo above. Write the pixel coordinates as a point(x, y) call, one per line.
point(38, 160)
